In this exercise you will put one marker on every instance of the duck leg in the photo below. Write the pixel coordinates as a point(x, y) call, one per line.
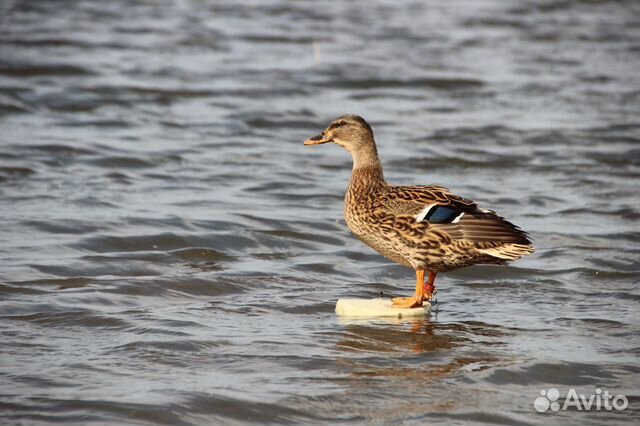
point(412, 302)
point(429, 287)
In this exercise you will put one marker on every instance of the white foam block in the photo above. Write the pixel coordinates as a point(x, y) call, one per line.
point(377, 308)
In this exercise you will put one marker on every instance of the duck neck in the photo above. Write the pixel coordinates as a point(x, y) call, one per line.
point(367, 169)
point(366, 156)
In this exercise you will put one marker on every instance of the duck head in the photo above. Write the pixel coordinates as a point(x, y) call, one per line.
point(351, 132)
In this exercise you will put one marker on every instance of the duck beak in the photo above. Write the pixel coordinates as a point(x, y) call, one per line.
point(317, 140)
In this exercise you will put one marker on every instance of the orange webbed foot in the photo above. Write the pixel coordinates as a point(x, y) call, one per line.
point(406, 302)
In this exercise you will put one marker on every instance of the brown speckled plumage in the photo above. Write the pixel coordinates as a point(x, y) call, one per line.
point(423, 227)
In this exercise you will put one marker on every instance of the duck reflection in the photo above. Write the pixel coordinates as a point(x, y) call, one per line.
point(422, 348)
point(417, 335)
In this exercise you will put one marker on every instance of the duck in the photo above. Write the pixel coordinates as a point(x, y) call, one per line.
point(423, 227)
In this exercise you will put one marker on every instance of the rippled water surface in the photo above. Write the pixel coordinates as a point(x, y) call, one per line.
point(171, 254)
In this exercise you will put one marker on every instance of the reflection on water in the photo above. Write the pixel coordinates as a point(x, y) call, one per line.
point(171, 254)
point(397, 335)
point(430, 342)
point(432, 352)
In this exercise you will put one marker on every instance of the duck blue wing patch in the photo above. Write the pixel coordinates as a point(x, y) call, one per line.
point(442, 214)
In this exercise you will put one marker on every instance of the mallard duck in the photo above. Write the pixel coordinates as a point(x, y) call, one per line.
point(426, 228)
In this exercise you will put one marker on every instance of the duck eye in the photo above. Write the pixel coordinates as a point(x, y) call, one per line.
point(337, 124)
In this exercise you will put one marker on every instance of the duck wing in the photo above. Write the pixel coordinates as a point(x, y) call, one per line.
point(435, 210)
point(434, 204)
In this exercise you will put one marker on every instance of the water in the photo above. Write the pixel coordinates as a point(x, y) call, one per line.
point(170, 253)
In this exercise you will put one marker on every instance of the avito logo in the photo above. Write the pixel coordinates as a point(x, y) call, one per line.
point(600, 400)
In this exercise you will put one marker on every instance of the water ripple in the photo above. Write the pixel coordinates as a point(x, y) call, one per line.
point(171, 254)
